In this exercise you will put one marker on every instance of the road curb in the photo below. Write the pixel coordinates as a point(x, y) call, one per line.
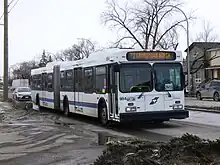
point(202, 110)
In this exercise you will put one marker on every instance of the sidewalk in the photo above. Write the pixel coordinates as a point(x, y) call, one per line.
point(191, 103)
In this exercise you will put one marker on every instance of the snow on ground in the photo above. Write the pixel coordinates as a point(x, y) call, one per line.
point(190, 101)
point(204, 118)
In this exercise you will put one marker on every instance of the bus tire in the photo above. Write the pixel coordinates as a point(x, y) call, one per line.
point(66, 107)
point(103, 113)
point(37, 100)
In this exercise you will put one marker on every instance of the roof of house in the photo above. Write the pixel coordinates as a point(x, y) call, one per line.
point(204, 45)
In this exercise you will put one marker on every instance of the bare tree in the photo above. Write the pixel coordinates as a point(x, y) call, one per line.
point(78, 51)
point(84, 48)
point(150, 26)
point(58, 56)
point(202, 62)
point(170, 41)
point(207, 34)
point(23, 70)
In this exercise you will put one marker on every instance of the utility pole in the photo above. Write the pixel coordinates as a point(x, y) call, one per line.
point(5, 98)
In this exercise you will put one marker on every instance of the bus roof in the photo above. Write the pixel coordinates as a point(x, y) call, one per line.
point(105, 56)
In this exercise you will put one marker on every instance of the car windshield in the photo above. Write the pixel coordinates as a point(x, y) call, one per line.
point(24, 90)
point(136, 78)
point(168, 77)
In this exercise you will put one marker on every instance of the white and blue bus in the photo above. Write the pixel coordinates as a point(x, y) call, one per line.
point(123, 85)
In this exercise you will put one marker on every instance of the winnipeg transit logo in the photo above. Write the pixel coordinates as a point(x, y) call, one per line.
point(154, 100)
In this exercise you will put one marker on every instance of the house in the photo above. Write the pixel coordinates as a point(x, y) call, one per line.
point(214, 63)
point(199, 61)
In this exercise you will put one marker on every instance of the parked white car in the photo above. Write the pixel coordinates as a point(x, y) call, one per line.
point(22, 94)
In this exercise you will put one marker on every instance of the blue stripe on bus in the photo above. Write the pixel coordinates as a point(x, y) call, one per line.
point(83, 104)
point(46, 99)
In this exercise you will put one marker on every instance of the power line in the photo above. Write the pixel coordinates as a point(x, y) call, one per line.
point(10, 3)
point(8, 6)
point(11, 7)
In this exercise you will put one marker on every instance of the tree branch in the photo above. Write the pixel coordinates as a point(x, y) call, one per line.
point(166, 31)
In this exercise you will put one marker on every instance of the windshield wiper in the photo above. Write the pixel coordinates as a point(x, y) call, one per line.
point(169, 95)
point(140, 95)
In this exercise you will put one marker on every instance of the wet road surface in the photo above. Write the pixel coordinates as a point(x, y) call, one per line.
point(42, 138)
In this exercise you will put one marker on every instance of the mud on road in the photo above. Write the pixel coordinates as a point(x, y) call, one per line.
point(30, 137)
point(38, 138)
point(185, 150)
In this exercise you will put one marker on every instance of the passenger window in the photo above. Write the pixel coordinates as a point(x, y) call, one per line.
point(50, 81)
point(100, 79)
point(78, 80)
point(69, 79)
point(62, 80)
point(44, 81)
point(88, 80)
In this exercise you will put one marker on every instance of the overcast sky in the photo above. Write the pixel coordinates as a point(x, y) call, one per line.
point(53, 25)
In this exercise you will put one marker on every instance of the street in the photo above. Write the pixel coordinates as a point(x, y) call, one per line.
point(36, 138)
point(208, 103)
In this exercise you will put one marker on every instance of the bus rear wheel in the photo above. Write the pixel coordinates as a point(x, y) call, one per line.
point(66, 108)
point(38, 102)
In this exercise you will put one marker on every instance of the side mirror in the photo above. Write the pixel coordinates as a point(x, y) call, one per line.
point(184, 80)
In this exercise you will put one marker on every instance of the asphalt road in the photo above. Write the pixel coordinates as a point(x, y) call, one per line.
point(42, 138)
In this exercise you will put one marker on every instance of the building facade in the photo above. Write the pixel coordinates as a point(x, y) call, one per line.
point(199, 54)
point(213, 69)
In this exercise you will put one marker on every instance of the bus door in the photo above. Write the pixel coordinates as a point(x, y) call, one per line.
point(113, 94)
point(43, 96)
point(78, 89)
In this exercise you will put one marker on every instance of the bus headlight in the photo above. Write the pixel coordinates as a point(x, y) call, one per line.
point(130, 109)
point(177, 106)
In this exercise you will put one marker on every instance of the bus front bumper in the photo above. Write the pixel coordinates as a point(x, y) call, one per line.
point(155, 115)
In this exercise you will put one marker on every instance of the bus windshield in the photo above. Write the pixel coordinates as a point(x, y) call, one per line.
point(168, 76)
point(136, 78)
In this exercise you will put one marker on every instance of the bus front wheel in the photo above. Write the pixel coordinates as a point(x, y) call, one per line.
point(103, 114)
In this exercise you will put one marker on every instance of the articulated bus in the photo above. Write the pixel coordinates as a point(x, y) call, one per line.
point(122, 85)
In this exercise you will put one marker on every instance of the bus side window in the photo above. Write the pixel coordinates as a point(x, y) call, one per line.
point(33, 82)
point(100, 79)
point(44, 81)
point(69, 79)
point(50, 81)
point(78, 80)
point(37, 82)
point(88, 80)
point(62, 80)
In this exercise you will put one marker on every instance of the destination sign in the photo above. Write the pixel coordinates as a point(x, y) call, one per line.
point(151, 56)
